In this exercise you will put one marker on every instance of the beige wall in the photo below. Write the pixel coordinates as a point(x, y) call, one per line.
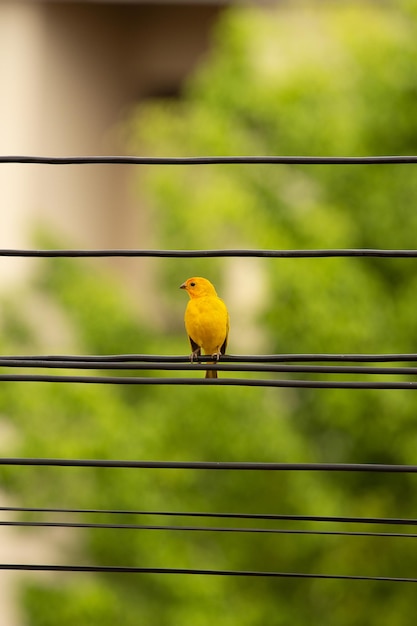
point(68, 74)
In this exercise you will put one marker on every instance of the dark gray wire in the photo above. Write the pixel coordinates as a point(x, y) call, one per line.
point(211, 465)
point(117, 569)
point(240, 382)
point(282, 254)
point(187, 366)
point(212, 160)
point(294, 254)
point(228, 358)
point(210, 529)
point(211, 515)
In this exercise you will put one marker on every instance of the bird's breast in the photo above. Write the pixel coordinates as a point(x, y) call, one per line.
point(206, 322)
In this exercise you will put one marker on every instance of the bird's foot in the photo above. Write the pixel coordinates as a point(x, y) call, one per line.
point(216, 355)
point(195, 355)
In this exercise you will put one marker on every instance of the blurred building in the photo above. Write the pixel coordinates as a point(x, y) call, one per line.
point(69, 74)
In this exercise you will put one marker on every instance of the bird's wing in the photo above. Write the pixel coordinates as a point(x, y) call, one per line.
point(224, 344)
point(194, 345)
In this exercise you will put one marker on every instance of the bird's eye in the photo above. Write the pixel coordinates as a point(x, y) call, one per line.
point(192, 284)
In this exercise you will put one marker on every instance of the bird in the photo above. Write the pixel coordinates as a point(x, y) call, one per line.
point(206, 320)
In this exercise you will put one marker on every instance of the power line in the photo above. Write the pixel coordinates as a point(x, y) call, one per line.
point(222, 382)
point(332, 519)
point(187, 366)
point(278, 254)
point(212, 160)
point(268, 363)
point(206, 529)
point(227, 358)
point(211, 465)
point(117, 569)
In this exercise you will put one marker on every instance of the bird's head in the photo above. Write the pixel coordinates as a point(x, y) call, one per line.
point(198, 287)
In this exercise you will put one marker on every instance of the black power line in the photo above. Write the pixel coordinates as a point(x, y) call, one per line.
point(231, 366)
point(206, 529)
point(223, 382)
point(97, 360)
point(267, 363)
point(212, 465)
point(331, 519)
point(117, 569)
point(274, 254)
point(212, 160)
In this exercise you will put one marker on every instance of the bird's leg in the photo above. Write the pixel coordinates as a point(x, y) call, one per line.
point(195, 355)
point(216, 355)
point(196, 350)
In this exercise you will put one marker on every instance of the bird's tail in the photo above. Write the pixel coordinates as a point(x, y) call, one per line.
point(211, 373)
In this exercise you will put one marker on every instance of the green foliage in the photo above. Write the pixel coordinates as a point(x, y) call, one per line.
point(323, 80)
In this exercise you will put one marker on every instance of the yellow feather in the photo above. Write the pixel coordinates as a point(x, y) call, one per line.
point(206, 320)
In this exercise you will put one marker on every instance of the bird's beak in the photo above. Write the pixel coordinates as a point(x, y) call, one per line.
point(183, 286)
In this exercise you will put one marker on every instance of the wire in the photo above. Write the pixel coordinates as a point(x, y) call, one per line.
point(212, 160)
point(229, 358)
point(211, 465)
point(133, 365)
point(223, 382)
point(117, 569)
point(283, 254)
point(213, 529)
point(231, 364)
point(247, 516)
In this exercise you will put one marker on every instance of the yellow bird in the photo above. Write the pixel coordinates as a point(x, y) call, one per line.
point(206, 320)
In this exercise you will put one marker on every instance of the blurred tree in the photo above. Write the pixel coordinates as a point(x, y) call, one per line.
point(323, 80)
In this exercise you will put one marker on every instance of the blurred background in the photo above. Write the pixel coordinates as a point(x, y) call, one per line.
point(189, 79)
